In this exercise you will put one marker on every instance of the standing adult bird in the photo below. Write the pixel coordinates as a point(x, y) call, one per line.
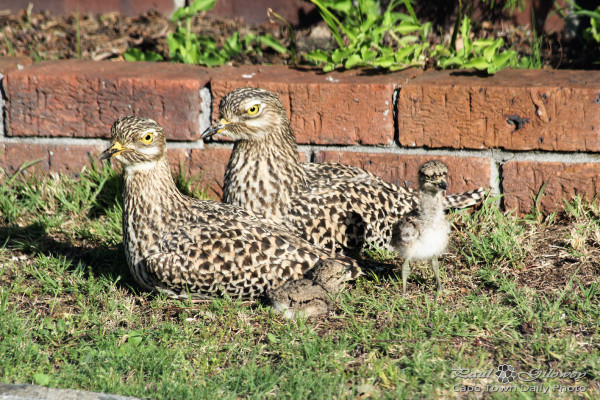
point(335, 206)
point(423, 233)
point(184, 247)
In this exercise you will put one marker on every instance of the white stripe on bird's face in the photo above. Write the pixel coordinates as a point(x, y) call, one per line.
point(149, 151)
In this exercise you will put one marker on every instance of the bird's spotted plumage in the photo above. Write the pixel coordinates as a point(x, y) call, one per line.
point(335, 206)
point(423, 233)
point(180, 245)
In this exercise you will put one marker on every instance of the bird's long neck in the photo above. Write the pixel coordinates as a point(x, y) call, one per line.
point(150, 201)
point(264, 174)
point(431, 204)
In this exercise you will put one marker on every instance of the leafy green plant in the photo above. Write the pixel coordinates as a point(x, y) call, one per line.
point(252, 42)
point(591, 33)
point(186, 47)
point(135, 54)
point(190, 48)
point(480, 54)
point(590, 37)
point(366, 37)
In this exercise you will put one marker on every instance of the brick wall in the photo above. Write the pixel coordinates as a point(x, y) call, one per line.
point(514, 131)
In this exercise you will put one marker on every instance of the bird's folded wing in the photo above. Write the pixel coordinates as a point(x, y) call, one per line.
point(215, 258)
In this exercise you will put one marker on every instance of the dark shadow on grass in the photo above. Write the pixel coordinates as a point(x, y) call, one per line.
point(100, 261)
point(110, 195)
point(111, 192)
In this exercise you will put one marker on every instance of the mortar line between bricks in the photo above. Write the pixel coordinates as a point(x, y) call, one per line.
point(495, 176)
point(499, 156)
point(65, 141)
point(95, 142)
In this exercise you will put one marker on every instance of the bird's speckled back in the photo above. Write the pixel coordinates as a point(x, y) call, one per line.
point(332, 205)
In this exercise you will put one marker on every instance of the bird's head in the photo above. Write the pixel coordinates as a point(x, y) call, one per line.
point(433, 176)
point(248, 114)
point(136, 141)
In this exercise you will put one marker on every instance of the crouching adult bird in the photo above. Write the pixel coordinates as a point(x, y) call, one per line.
point(335, 206)
point(183, 246)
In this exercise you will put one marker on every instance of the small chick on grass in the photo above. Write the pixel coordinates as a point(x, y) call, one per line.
point(423, 233)
point(313, 295)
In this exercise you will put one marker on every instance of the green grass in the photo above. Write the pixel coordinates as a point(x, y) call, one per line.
point(521, 291)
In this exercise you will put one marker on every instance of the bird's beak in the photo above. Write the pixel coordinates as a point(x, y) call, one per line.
point(114, 150)
point(442, 185)
point(215, 129)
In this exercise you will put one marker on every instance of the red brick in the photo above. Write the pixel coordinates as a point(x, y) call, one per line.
point(465, 173)
point(14, 155)
point(210, 164)
point(83, 98)
point(337, 108)
point(523, 180)
point(560, 110)
point(206, 166)
point(51, 158)
point(72, 158)
point(178, 157)
point(8, 64)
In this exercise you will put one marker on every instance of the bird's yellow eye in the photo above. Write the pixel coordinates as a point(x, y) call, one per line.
point(147, 138)
point(252, 110)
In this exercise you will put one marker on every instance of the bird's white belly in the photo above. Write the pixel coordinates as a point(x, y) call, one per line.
point(432, 242)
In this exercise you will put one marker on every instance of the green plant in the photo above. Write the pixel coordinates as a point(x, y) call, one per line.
point(190, 186)
point(590, 37)
point(190, 48)
point(35, 53)
point(365, 37)
point(495, 239)
point(185, 46)
point(378, 253)
point(252, 42)
point(535, 60)
point(78, 35)
point(480, 54)
point(591, 33)
point(135, 54)
point(9, 45)
point(270, 13)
